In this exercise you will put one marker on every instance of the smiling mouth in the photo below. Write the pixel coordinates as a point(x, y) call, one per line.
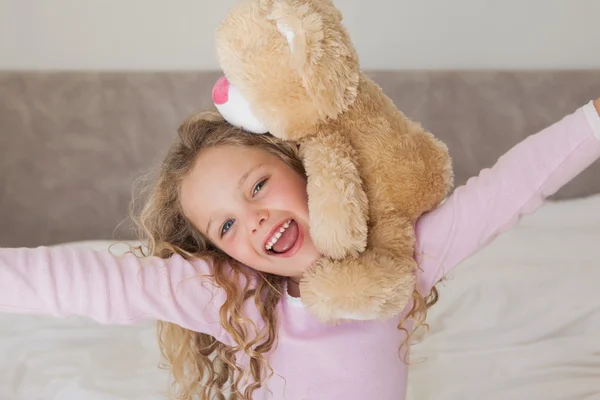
point(285, 239)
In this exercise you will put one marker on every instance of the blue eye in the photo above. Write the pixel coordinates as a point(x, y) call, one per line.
point(258, 187)
point(226, 226)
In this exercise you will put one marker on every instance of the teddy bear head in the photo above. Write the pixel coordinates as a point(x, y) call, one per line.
point(289, 65)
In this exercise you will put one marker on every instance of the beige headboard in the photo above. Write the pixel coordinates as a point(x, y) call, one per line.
point(72, 144)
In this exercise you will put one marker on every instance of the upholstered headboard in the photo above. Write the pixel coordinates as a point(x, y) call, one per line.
point(72, 144)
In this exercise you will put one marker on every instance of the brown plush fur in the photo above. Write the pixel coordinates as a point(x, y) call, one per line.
point(370, 169)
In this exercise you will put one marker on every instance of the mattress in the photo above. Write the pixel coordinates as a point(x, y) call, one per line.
point(518, 320)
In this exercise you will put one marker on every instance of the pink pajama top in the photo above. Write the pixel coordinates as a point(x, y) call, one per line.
point(356, 360)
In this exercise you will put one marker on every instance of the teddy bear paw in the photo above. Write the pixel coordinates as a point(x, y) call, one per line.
point(339, 233)
point(370, 287)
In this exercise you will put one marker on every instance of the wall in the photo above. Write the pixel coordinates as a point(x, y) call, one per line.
point(418, 34)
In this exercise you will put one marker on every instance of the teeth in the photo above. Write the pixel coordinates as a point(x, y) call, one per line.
point(277, 235)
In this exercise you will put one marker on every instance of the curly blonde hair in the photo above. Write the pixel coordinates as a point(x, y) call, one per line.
point(203, 367)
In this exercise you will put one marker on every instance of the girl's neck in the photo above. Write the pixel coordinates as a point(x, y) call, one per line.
point(293, 286)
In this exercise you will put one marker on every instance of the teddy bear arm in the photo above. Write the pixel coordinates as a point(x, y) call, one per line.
point(375, 285)
point(378, 284)
point(337, 202)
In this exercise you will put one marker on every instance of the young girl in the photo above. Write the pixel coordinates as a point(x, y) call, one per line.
point(226, 226)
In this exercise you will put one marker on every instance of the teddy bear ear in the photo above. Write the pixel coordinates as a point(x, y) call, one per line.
point(296, 42)
point(265, 6)
point(291, 23)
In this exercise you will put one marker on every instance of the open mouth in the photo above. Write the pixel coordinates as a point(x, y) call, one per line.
point(285, 240)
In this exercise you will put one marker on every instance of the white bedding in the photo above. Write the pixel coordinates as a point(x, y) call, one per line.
point(519, 320)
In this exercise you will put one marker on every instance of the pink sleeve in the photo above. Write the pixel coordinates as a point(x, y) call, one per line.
point(494, 201)
point(61, 281)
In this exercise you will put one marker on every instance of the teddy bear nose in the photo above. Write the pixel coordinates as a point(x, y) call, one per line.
point(220, 92)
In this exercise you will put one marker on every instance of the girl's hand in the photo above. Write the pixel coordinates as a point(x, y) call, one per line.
point(597, 105)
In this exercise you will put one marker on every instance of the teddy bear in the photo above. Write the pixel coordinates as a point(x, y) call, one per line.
point(291, 71)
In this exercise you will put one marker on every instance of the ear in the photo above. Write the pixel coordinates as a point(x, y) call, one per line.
point(291, 29)
point(302, 28)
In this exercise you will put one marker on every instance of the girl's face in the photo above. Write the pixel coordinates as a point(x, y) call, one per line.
point(252, 206)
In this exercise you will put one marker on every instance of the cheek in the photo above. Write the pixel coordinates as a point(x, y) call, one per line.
point(240, 248)
point(296, 196)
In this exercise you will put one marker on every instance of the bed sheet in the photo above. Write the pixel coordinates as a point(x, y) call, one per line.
point(520, 319)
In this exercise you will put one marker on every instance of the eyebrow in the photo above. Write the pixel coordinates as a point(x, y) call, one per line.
point(240, 184)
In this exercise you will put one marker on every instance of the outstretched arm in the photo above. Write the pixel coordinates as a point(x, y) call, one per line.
point(62, 281)
point(494, 201)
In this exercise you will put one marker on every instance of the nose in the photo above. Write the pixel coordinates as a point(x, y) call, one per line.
point(220, 92)
point(260, 218)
